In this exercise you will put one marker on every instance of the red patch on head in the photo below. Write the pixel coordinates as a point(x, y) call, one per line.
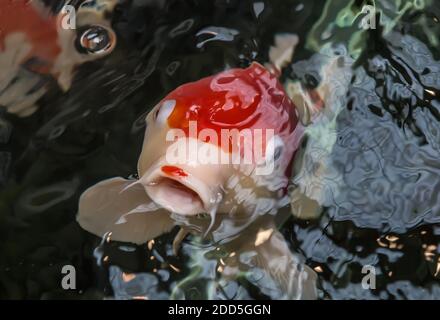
point(236, 98)
point(250, 98)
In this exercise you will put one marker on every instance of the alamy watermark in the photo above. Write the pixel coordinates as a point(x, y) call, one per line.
point(369, 20)
point(369, 280)
point(259, 147)
point(68, 19)
point(68, 282)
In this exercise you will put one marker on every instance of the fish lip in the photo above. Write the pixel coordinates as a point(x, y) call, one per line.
point(207, 195)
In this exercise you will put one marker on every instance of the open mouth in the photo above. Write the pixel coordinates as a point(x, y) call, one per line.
point(182, 195)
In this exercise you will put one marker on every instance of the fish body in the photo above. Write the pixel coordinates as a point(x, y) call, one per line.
point(183, 179)
point(35, 43)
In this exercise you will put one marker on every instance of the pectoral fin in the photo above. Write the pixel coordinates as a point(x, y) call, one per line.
point(123, 208)
point(273, 256)
point(271, 266)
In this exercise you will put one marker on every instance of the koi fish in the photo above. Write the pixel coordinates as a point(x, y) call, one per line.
point(232, 203)
point(316, 179)
point(35, 43)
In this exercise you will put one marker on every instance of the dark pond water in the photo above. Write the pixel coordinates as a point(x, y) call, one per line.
point(381, 204)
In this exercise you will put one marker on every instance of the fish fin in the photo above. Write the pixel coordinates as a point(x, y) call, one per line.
point(128, 213)
point(303, 207)
point(295, 279)
point(178, 240)
point(281, 53)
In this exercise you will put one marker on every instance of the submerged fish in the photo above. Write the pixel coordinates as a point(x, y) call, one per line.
point(316, 179)
point(34, 43)
point(183, 177)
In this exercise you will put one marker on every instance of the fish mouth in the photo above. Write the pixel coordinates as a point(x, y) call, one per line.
point(183, 194)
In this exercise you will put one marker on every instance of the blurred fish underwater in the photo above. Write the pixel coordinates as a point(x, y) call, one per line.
point(366, 178)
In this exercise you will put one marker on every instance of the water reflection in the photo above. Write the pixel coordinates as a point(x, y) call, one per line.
point(377, 205)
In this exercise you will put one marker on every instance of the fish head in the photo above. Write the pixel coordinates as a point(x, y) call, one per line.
point(209, 140)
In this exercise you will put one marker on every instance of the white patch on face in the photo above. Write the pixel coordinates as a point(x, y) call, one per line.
point(165, 110)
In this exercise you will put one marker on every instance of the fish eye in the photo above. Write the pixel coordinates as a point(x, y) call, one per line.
point(164, 110)
point(277, 153)
point(95, 40)
point(274, 149)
